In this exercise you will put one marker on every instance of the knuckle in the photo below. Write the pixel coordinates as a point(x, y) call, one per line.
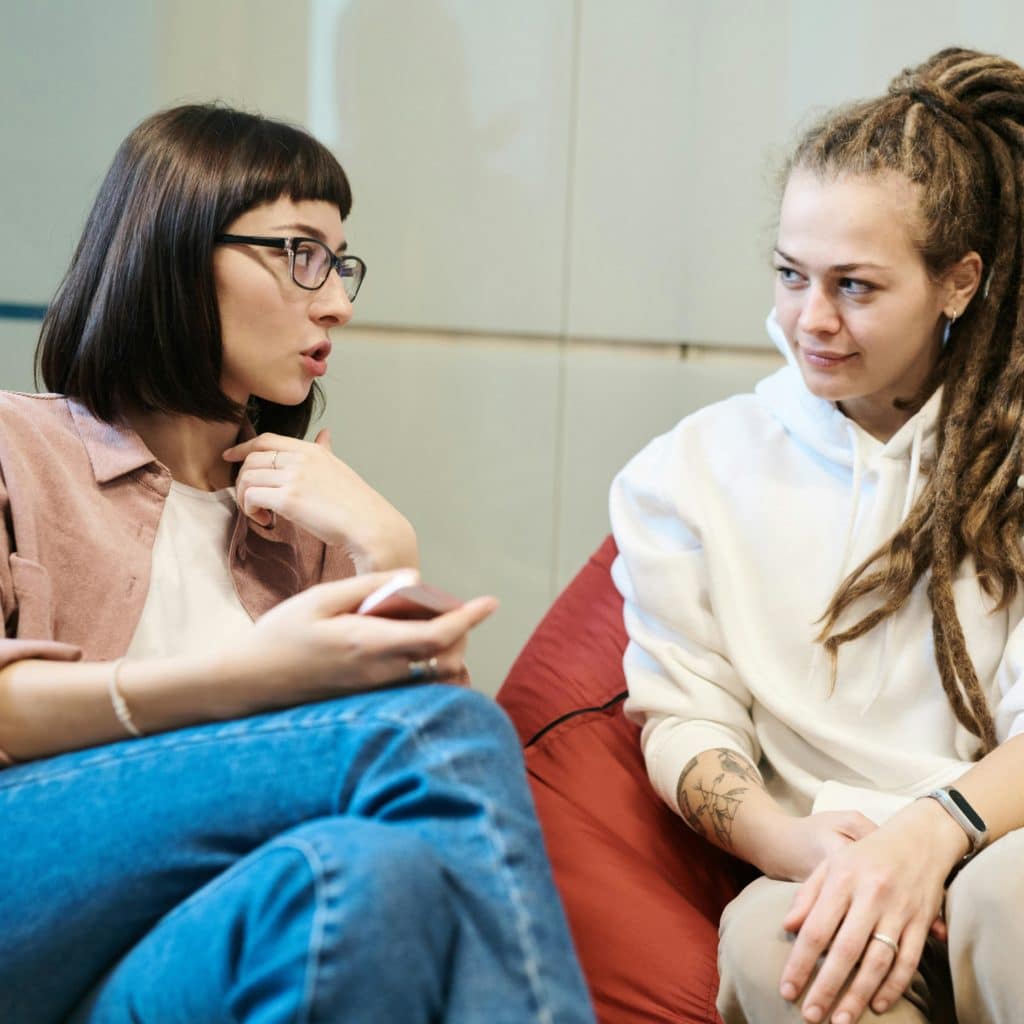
point(881, 886)
point(815, 935)
point(847, 949)
point(903, 968)
point(826, 991)
point(877, 957)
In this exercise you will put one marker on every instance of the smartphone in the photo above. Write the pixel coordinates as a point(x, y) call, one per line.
point(404, 597)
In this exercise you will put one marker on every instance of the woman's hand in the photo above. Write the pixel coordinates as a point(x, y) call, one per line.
point(310, 486)
point(312, 646)
point(889, 883)
point(799, 845)
point(314, 641)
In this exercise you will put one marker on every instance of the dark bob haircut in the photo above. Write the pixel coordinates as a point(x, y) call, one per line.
point(135, 322)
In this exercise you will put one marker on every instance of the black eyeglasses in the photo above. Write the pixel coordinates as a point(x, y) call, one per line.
point(310, 262)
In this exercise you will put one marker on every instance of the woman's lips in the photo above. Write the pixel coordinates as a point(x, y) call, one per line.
point(315, 367)
point(826, 360)
point(316, 358)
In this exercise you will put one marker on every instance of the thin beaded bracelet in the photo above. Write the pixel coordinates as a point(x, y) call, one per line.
point(120, 705)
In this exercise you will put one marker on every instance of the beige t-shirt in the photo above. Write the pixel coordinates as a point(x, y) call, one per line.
point(191, 606)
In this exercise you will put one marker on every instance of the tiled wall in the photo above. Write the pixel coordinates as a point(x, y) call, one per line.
point(566, 207)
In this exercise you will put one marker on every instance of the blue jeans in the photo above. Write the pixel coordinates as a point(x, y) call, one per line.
point(374, 858)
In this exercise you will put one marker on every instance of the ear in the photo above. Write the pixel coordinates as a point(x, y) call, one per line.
point(960, 282)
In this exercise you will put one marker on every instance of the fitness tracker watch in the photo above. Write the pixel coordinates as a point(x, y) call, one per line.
point(955, 804)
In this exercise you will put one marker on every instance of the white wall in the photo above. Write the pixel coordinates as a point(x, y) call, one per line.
point(566, 207)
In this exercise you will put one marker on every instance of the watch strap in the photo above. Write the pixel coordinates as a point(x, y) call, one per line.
point(957, 806)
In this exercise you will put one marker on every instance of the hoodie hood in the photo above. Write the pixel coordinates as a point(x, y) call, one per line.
point(820, 424)
point(890, 470)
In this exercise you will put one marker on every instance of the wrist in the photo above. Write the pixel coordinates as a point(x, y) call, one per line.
point(776, 845)
point(396, 549)
point(937, 832)
point(173, 693)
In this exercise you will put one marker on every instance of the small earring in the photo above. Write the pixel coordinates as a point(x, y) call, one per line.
point(949, 323)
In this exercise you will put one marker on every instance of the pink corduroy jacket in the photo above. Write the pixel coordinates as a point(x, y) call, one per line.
point(81, 500)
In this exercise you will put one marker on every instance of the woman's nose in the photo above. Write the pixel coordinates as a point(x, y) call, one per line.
point(332, 307)
point(819, 314)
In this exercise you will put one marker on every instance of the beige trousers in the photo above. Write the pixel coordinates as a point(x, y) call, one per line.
point(977, 979)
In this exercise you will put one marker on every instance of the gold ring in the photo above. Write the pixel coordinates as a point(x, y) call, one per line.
point(888, 940)
point(273, 461)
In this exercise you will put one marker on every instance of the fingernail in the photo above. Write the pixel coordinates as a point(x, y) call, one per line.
point(841, 1018)
point(788, 991)
point(880, 1006)
point(813, 1014)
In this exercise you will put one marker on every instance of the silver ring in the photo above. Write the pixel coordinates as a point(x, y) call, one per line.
point(888, 940)
point(273, 461)
point(423, 670)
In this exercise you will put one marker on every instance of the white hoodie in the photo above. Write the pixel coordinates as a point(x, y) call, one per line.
point(735, 530)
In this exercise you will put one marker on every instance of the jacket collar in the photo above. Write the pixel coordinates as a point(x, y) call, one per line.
point(114, 449)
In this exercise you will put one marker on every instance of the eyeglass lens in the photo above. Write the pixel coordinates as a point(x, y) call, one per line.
point(313, 261)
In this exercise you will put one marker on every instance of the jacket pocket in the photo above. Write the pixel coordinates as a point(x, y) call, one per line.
point(33, 596)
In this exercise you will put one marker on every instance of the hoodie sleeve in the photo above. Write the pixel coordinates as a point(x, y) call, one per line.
point(683, 690)
point(1009, 693)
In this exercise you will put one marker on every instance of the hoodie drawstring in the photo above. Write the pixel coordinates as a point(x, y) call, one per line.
point(851, 524)
point(916, 447)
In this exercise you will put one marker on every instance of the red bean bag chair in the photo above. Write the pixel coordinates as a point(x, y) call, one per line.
point(643, 893)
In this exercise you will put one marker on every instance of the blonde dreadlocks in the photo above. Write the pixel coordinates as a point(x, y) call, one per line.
point(955, 127)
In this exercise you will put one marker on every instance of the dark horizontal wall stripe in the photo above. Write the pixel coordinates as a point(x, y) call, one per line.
point(21, 311)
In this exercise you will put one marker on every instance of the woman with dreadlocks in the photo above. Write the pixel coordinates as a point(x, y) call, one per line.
point(822, 580)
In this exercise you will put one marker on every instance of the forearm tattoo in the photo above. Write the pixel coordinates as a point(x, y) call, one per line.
point(709, 795)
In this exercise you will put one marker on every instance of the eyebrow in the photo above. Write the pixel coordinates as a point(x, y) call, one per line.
point(310, 232)
point(840, 268)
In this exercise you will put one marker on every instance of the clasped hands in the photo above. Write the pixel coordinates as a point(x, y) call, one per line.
point(871, 884)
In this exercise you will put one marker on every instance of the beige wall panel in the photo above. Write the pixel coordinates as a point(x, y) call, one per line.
point(248, 53)
point(17, 349)
point(669, 199)
point(687, 111)
point(878, 38)
point(616, 400)
point(452, 118)
point(460, 435)
point(75, 79)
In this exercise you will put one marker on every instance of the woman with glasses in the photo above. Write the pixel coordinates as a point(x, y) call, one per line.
point(217, 802)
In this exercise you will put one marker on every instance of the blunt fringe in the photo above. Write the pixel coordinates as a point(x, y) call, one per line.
point(955, 127)
point(135, 324)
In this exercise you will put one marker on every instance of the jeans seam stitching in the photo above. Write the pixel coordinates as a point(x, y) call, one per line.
point(317, 928)
point(522, 918)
